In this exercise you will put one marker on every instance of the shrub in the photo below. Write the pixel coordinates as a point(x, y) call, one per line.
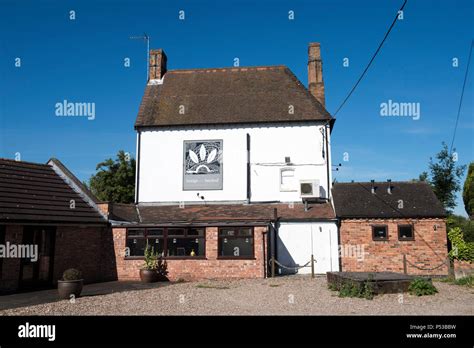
point(461, 250)
point(72, 274)
point(351, 289)
point(422, 287)
point(154, 261)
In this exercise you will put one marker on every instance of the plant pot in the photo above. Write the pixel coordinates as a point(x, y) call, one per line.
point(149, 276)
point(66, 288)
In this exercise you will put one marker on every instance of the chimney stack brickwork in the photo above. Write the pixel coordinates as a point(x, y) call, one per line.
point(157, 64)
point(315, 72)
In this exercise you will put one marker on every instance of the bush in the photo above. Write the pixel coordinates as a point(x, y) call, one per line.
point(154, 261)
point(422, 287)
point(461, 250)
point(352, 289)
point(72, 274)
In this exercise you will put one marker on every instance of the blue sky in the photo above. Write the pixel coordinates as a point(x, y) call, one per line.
point(82, 60)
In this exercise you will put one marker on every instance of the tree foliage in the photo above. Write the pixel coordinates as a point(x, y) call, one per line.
point(466, 226)
point(468, 191)
point(114, 180)
point(444, 176)
point(461, 250)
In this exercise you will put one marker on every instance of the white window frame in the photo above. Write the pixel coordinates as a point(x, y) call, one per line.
point(285, 188)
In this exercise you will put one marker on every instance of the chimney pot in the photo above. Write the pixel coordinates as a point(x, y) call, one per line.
point(157, 64)
point(373, 186)
point(315, 72)
point(389, 188)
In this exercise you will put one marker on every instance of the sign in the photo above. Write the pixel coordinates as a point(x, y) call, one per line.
point(202, 165)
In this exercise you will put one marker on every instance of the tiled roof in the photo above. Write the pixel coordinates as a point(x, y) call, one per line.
point(221, 213)
point(228, 96)
point(31, 192)
point(408, 199)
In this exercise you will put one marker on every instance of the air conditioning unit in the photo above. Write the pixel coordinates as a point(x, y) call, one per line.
point(309, 189)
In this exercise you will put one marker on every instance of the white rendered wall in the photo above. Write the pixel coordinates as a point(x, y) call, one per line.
point(161, 162)
point(294, 246)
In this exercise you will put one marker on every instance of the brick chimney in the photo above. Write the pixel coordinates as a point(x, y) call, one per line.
point(157, 64)
point(315, 72)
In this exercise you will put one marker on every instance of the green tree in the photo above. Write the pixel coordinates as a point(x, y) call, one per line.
point(445, 177)
point(468, 191)
point(114, 180)
point(423, 176)
point(466, 225)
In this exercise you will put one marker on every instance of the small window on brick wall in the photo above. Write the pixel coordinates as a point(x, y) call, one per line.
point(405, 232)
point(379, 232)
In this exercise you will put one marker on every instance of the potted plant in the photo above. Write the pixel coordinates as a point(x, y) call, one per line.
point(154, 269)
point(70, 284)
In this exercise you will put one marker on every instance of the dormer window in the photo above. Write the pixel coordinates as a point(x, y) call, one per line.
point(287, 180)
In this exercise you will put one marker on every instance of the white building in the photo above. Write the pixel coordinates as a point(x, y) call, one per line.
point(247, 146)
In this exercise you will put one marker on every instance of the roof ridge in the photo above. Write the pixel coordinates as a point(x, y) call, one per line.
point(231, 68)
point(25, 162)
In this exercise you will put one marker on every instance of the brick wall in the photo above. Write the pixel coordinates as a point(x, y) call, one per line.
point(84, 248)
point(208, 268)
point(428, 250)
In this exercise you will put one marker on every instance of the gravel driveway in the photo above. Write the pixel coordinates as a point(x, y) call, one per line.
point(293, 295)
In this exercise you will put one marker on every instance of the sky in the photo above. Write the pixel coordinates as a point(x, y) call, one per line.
point(83, 60)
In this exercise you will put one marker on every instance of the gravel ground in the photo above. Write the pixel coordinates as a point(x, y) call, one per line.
point(295, 295)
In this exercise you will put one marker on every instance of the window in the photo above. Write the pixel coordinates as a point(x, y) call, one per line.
point(405, 232)
point(169, 242)
point(185, 242)
point(379, 232)
point(236, 242)
point(287, 180)
point(136, 242)
point(155, 238)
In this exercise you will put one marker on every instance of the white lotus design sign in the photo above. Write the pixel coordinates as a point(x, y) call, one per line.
point(202, 165)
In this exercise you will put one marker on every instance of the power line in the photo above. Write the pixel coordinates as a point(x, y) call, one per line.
point(372, 59)
point(462, 95)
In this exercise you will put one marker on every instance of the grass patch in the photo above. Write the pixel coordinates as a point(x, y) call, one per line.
point(274, 285)
point(466, 281)
point(210, 286)
point(422, 287)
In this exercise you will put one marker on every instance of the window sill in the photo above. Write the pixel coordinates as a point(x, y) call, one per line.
point(406, 240)
point(380, 240)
